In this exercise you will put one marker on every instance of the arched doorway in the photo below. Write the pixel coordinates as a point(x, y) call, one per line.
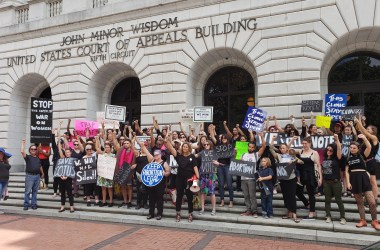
point(128, 93)
point(358, 75)
point(46, 93)
point(228, 90)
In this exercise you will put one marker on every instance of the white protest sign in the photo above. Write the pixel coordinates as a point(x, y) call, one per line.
point(142, 139)
point(203, 114)
point(108, 124)
point(113, 112)
point(106, 166)
point(187, 114)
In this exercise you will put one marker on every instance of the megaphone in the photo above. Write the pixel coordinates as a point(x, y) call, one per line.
point(195, 188)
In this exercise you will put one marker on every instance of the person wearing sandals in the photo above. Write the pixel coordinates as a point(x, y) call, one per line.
point(156, 193)
point(105, 184)
point(358, 181)
point(289, 186)
point(65, 183)
point(248, 185)
point(187, 167)
point(207, 183)
point(331, 167)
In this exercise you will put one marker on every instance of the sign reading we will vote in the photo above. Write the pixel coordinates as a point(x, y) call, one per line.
point(278, 139)
point(82, 125)
point(254, 119)
point(334, 104)
point(346, 141)
point(207, 166)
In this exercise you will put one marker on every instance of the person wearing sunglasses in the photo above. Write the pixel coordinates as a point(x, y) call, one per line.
point(91, 188)
point(331, 168)
point(32, 178)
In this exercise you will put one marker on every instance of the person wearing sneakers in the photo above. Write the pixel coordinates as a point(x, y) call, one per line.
point(359, 183)
point(248, 185)
point(265, 177)
point(331, 179)
point(32, 177)
point(4, 170)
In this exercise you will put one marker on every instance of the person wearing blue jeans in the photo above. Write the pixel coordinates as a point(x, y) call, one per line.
point(32, 177)
point(223, 176)
point(266, 175)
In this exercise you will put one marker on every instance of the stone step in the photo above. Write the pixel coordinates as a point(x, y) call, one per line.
point(279, 210)
point(238, 202)
point(310, 230)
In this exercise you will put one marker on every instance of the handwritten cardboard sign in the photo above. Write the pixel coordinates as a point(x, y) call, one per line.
point(346, 140)
point(41, 120)
point(124, 174)
point(82, 125)
point(65, 167)
point(207, 166)
point(334, 104)
point(349, 113)
point(284, 170)
point(85, 169)
point(116, 113)
point(242, 168)
point(224, 151)
point(311, 106)
point(106, 166)
point(254, 119)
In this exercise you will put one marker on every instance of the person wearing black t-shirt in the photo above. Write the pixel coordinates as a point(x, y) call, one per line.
point(331, 167)
point(358, 182)
point(187, 167)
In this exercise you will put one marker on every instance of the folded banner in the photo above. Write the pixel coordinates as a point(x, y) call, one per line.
point(106, 166)
point(85, 170)
point(284, 170)
point(65, 168)
point(152, 174)
point(207, 166)
point(254, 119)
point(242, 168)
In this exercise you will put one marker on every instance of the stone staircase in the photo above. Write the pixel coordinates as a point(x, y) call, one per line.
point(225, 220)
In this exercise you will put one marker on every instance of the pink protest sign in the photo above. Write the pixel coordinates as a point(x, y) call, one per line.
point(82, 125)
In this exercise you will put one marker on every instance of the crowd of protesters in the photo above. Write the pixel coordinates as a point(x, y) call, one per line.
point(326, 171)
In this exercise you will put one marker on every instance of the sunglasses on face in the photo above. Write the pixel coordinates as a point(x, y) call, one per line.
point(182, 137)
point(206, 144)
point(76, 144)
point(330, 150)
point(33, 149)
point(88, 149)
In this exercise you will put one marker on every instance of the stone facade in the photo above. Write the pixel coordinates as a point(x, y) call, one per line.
point(288, 47)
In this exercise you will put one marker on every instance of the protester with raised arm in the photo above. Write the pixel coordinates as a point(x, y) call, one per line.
point(32, 178)
point(371, 134)
point(187, 168)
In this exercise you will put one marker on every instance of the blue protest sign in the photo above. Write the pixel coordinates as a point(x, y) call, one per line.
point(254, 119)
point(152, 174)
point(334, 104)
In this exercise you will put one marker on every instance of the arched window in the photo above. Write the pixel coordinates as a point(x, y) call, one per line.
point(228, 90)
point(128, 93)
point(358, 76)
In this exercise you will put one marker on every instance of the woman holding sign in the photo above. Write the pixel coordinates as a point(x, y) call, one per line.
point(65, 183)
point(370, 133)
point(187, 167)
point(104, 183)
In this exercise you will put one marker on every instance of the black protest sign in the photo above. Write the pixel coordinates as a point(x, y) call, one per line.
point(349, 113)
point(85, 170)
point(346, 140)
point(41, 120)
point(172, 162)
point(268, 138)
point(321, 141)
point(124, 174)
point(207, 166)
point(281, 139)
point(311, 106)
point(242, 168)
point(284, 170)
point(297, 143)
point(65, 168)
point(224, 151)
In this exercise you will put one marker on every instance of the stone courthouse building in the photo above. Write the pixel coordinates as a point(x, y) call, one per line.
point(157, 57)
